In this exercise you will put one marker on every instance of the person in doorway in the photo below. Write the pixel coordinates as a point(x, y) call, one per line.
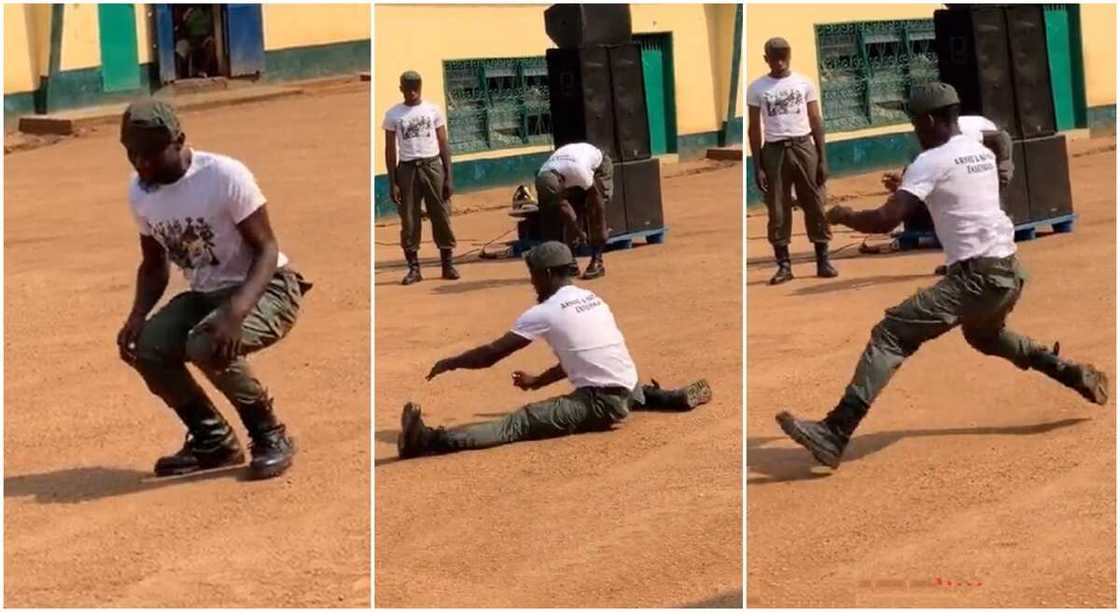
point(793, 157)
point(418, 162)
point(205, 213)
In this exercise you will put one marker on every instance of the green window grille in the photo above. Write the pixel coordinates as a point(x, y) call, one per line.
point(867, 69)
point(497, 103)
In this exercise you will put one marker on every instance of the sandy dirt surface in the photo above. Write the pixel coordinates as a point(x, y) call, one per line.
point(646, 515)
point(970, 483)
point(85, 524)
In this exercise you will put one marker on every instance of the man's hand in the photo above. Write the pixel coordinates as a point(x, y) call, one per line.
point(129, 336)
point(525, 381)
point(395, 194)
point(448, 190)
point(838, 215)
point(892, 181)
point(761, 180)
point(441, 366)
point(224, 331)
point(822, 172)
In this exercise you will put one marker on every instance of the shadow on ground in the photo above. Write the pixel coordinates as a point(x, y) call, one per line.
point(74, 485)
point(789, 463)
point(731, 599)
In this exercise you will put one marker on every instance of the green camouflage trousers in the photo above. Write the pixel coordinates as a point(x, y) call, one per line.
point(172, 337)
point(977, 294)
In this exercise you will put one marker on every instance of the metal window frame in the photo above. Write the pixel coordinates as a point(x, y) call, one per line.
point(491, 103)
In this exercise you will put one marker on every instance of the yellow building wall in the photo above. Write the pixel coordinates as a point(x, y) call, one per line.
point(20, 55)
point(701, 58)
point(796, 22)
point(81, 46)
point(303, 25)
point(143, 33)
point(1098, 46)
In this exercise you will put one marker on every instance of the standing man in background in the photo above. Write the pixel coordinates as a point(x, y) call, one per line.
point(793, 156)
point(416, 136)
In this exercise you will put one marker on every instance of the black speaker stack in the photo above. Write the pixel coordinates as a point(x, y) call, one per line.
point(996, 58)
point(597, 95)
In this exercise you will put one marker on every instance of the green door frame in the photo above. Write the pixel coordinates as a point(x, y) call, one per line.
point(120, 64)
point(665, 41)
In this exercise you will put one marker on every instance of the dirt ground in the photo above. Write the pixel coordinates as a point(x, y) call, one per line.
point(85, 524)
point(646, 515)
point(970, 483)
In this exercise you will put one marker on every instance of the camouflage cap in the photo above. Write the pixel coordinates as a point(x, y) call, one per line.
point(551, 254)
point(410, 76)
point(932, 96)
point(149, 122)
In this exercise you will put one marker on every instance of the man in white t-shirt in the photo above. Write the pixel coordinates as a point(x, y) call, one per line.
point(957, 178)
point(577, 182)
point(581, 330)
point(418, 159)
point(982, 130)
point(786, 105)
point(205, 213)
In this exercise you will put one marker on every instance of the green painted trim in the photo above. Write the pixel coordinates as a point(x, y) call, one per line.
point(732, 132)
point(44, 98)
point(1102, 120)
point(472, 175)
point(856, 156)
point(737, 51)
point(316, 61)
point(73, 89)
point(16, 105)
point(695, 146)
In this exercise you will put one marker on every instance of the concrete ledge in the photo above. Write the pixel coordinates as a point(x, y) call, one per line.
point(726, 154)
point(70, 122)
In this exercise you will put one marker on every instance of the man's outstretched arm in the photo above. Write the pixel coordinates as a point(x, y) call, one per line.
point(898, 208)
point(481, 357)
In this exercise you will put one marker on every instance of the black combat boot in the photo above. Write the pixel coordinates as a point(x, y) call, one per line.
point(825, 439)
point(449, 271)
point(680, 400)
point(413, 276)
point(1090, 382)
point(417, 439)
point(595, 268)
point(785, 272)
point(272, 449)
point(210, 442)
point(824, 268)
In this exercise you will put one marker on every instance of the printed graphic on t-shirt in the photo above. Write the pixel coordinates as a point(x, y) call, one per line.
point(783, 102)
point(189, 242)
point(416, 127)
point(976, 164)
point(582, 304)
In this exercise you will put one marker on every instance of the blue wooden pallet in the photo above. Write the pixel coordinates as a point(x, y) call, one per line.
point(1063, 224)
point(614, 243)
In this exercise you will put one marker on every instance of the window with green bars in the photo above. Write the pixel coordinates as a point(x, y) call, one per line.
point(497, 103)
point(867, 69)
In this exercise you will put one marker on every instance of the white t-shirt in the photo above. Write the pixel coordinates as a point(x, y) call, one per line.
point(581, 330)
point(974, 126)
point(576, 163)
point(783, 105)
point(415, 127)
point(195, 219)
point(959, 184)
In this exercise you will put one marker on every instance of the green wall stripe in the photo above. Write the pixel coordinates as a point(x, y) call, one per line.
point(856, 156)
point(477, 174)
point(84, 87)
point(316, 60)
point(1102, 120)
